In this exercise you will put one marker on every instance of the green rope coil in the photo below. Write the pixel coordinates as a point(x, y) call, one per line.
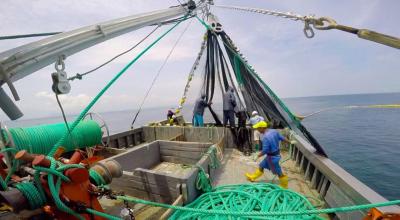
point(32, 194)
point(97, 178)
point(247, 198)
point(222, 213)
point(41, 139)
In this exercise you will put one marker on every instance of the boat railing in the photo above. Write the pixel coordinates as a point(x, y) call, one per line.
point(334, 184)
point(127, 139)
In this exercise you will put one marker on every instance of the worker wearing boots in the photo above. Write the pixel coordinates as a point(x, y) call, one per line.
point(270, 147)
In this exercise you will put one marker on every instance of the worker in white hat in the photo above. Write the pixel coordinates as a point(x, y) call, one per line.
point(255, 118)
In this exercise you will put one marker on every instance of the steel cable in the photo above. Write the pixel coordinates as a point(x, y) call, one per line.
point(158, 73)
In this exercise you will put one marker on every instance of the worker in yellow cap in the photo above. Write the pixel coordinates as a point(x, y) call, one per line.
point(270, 146)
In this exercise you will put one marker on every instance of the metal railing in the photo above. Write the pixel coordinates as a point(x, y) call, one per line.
point(335, 185)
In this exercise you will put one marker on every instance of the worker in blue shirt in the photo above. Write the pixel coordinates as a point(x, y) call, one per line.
point(270, 147)
point(198, 111)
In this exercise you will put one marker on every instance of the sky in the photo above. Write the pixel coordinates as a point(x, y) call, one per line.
point(333, 62)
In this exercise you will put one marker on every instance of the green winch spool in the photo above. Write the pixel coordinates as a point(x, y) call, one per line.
point(41, 139)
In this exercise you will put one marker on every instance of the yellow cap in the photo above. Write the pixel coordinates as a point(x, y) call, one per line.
point(261, 124)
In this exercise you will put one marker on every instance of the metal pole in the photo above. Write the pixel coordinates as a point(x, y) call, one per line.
point(24, 60)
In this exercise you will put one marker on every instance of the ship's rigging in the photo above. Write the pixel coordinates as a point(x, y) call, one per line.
point(225, 67)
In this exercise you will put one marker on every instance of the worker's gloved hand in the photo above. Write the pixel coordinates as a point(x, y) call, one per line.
point(255, 157)
point(293, 142)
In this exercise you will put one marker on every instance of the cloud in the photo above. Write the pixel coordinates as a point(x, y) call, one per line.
point(76, 103)
point(69, 102)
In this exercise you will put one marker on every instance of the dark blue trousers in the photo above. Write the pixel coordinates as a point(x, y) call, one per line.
point(229, 115)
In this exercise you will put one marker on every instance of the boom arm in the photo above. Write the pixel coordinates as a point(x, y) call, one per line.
point(24, 60)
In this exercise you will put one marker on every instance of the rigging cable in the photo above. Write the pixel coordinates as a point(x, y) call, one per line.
point(108, 85)
point(65, 121)
point(289, 119)
point(324, 23)
point(79, 76)
point(159, 71)
point(379, 106)
point(63, 114)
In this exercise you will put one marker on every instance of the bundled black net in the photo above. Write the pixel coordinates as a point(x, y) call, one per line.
point(258, 96)
point(251, 91)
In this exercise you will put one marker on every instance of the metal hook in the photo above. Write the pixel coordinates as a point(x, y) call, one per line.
point(60, 62)
point(308, 31)
point(324, 23)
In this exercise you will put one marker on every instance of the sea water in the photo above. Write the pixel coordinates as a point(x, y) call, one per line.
point(364, 141)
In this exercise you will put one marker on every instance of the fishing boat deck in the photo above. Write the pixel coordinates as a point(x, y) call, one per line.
point(318, 178)
point(171, 168)
point(233, 167)
point(235, 164)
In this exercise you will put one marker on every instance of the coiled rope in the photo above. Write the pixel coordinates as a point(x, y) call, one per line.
point(247, 198)
point(263, 214)
point(41, 139)
point(32, 194)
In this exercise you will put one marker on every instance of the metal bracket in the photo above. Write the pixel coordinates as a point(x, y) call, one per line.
point(101, 30)
point(214, 23)
point(6, 78)
point(60, 79)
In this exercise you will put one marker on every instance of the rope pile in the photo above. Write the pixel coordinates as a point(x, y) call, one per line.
point(247, 198)
point(260, 214)
point(41, 139)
